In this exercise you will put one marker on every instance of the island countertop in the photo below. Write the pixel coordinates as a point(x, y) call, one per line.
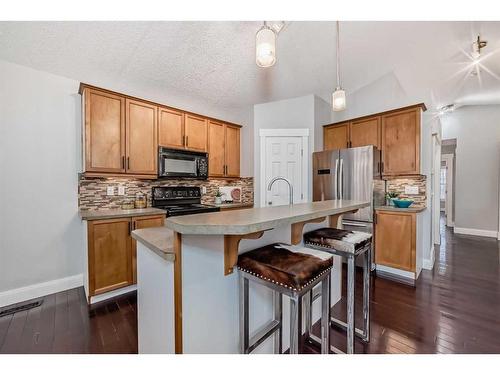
point(253, 220)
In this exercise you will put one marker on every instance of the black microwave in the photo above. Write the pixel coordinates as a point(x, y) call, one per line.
point(174, 163)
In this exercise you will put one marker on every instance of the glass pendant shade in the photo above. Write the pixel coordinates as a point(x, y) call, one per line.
point(265, 47)
point(338, 99)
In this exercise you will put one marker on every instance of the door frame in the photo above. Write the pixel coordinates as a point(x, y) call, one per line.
point(267, 133)
point(435, 188)
point(448, 203)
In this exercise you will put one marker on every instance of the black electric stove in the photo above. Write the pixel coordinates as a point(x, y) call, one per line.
point(180, 200)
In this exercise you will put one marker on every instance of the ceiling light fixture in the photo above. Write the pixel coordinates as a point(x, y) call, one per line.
point(338, 96)
point(477, 46)
point(265, 46)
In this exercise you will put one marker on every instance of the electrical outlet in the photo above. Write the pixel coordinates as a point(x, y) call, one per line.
point(411, 190)
point(203, 190)
point(121, 190)
point(110, 190)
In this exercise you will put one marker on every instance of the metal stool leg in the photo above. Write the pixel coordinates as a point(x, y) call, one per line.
point(244, 316)
point(308, 312)
point(295, 324)
point(366, 296)
point(278, 315)
point(351, 284)
point(325, 315)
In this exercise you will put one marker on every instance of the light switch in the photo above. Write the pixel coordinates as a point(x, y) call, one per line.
point(411, 190)
point(110, 190)
point(121, 190)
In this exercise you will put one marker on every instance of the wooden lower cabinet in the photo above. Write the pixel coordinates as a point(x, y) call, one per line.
point(142, 222)
point(395, 240)
point(112, 252)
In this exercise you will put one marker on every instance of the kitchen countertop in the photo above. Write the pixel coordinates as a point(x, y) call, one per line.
point(158, 239)
point(397, 209)
point(254, 220)
point(116, 213)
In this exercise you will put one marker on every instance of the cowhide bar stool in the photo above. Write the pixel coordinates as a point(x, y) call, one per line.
point(287, 270)
point(350, 245)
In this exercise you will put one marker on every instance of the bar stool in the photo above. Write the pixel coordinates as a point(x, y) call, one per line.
point(286, 270)
point(350, 245)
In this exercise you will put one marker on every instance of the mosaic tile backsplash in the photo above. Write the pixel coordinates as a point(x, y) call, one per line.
point(92, 190)
point(398, 185)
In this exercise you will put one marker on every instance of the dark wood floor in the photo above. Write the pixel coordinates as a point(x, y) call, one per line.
point(453, 309)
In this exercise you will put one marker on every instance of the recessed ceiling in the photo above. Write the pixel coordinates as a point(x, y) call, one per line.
point(215, 61)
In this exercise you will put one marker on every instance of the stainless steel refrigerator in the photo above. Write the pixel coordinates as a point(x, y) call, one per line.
point(351, 173)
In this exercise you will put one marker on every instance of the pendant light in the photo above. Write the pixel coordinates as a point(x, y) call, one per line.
point(265, 46)
point(338, 97)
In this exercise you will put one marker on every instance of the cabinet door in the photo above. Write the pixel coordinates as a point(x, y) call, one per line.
point(110, 255)
point(196, 131)
point(141, 222)
point(216, 149)
point(104, 132)
point(232, 151)
point(170, 128)
point(365, 132)
point(142, 140)
point(336, 136)
point(401, 143)
point(395, 240)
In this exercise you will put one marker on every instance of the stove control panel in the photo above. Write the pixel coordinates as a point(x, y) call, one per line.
point(176, 192)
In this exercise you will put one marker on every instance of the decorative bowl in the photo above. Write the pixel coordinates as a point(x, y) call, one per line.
point(402, 203)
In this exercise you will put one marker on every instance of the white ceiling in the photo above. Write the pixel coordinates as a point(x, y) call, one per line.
point(214, 61)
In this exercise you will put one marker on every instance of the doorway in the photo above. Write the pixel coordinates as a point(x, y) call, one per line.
point(283, 152)
point(446, 188)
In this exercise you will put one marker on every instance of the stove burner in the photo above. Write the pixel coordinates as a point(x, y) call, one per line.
point(180, 200)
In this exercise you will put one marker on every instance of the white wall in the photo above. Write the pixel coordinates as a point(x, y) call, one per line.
point(40, 231)
point(477, 130)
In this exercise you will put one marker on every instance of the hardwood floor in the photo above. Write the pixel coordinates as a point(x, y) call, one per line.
point(453, 309)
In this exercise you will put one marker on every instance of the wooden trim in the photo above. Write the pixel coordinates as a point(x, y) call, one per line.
point(419, 105)
point(231, 244)
point(297, 229)
point(122, 175)
point(178, 292)
point(333, 221)
point(83, 86)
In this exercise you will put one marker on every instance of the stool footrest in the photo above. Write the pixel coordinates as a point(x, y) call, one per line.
point(261, 335)
point(339, 323)
point(316, 340)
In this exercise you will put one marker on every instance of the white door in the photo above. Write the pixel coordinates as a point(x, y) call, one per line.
point(283, 157)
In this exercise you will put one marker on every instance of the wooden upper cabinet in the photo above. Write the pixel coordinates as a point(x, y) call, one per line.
point(232, 151)
point(104, 132)
point(395, 240)
point(401, 142)
point(196, 132)
point(336, 136)
point(110, 255)
point(170, 128)
point(141, 222)
point(216, 149)
point(365, 132)
point(142, 137)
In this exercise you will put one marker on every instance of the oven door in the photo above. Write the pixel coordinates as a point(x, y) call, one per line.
point(177, 164)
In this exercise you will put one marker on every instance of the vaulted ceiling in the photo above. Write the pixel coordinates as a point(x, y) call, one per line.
point(215, 61)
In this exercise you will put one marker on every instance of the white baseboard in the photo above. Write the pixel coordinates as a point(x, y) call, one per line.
point(476, 232)
point(428, 264)
point(395, 271)
point(25, 293)
point(112, 294)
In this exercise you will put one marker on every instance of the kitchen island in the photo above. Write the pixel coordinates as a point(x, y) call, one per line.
point(188, 298)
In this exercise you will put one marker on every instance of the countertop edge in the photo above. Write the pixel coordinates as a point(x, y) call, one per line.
point(262, 226)
point(397, 209)
point(89, 215)
point(141, 236)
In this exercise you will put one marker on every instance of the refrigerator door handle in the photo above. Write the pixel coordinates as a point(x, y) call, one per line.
point(336, 183)
point(353, 224)
point(341, 184)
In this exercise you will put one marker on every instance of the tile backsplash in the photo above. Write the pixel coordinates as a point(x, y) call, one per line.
point(398, 185)
point(92, 190)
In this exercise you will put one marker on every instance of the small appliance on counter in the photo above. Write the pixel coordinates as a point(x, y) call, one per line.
point(140, 201)
point(180, 200)
point(182, 164)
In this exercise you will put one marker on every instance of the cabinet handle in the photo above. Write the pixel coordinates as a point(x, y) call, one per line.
point(128, 162)
point(183, 140)
point(129, 227)
point(123, 162)
point(187, 141)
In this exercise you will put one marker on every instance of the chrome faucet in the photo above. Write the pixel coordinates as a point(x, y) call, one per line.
point(290, 187)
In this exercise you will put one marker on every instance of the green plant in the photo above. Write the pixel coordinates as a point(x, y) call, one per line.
point(391, 195)
point(218, 194)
